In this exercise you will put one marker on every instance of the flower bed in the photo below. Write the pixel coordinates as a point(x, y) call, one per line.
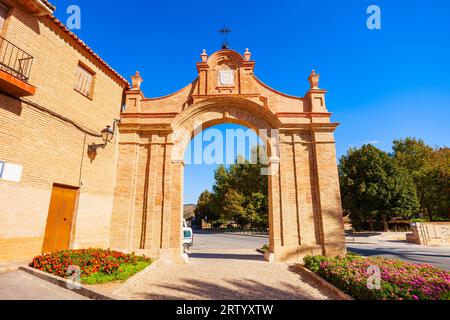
point(399, 280)
point(95, 265)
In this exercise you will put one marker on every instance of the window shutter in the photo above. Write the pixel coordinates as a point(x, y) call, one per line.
point(83, 82)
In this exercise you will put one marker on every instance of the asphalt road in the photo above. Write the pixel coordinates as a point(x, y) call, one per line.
point(208, 241)
point(437, 256)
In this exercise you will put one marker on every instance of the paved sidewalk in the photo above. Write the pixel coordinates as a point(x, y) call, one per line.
point(20, 285)
point(219, 275)
point(11, 266)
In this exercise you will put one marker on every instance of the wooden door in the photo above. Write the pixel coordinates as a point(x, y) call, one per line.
point(60, 218)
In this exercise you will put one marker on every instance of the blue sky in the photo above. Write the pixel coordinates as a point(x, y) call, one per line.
point(382, 84)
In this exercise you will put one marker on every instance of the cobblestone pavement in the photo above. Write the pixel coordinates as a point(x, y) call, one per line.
point(20, 285)
point(219, 275)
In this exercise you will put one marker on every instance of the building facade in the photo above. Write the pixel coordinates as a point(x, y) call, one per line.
point(56, 98)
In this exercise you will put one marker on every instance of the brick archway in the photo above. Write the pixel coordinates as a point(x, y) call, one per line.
point(214, 111)
point(304, 198)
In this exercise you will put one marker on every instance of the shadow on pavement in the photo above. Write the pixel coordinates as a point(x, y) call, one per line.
point(227, 256)
point(244, 289)
point(363, 234)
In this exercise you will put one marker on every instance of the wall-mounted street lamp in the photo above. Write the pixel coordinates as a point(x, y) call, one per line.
point(107, 136)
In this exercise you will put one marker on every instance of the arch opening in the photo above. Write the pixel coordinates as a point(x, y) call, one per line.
point(226, 191)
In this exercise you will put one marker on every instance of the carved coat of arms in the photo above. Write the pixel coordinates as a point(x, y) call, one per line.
point(226, 78)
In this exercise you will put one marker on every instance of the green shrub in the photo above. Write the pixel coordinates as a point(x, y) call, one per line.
point(352, 254)
point(313, 262)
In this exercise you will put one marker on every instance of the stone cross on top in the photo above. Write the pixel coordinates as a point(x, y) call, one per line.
point(225, 32)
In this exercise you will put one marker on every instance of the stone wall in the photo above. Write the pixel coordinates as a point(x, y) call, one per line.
point(430, 233)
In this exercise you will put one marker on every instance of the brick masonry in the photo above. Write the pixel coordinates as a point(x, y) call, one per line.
point(50, 149)
point(305, 208)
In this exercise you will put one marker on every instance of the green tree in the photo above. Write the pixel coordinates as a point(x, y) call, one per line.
point(374, 187)
point(429, 169)
point(233, 209)
point(240, 192)
point(437, 195)
point(203, 209)
point(258, 209)
point(220, 188)
point(248, 179)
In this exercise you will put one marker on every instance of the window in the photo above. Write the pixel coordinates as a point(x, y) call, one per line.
point(187, 234)
point(3, 13)
point(84, 82)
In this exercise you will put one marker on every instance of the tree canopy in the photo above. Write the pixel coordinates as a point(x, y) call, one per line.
point(430, 170)
point(375, 188)
point(411, 182)
point(239, 194)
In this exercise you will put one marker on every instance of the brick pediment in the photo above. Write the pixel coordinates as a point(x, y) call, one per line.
point(229, 74)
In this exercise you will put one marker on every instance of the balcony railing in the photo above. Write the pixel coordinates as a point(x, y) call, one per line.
point(14, 60)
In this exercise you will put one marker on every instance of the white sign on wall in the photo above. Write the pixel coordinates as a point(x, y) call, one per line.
point(11, 172)
point(226, 78)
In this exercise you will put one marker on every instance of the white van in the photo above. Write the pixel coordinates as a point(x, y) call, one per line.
point(188, 237)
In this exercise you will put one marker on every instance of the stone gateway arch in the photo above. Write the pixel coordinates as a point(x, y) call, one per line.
point(305, 211)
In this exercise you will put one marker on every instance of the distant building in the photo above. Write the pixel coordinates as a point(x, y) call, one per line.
point(189, 213)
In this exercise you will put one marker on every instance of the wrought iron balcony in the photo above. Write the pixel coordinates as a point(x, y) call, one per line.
point(14, 60)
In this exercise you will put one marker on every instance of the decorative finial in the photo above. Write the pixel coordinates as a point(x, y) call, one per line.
point(314, 80)
point(247, 55)
point(136, 81)
point(204, 56)
point(225, 32)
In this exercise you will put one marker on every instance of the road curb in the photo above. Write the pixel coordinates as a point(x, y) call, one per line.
point(247, 235)
point(68, 285)
point(261, 251)
point(237, 234)
point(319, 281)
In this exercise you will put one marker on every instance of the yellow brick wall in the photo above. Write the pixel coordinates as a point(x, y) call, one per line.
point(52, 150)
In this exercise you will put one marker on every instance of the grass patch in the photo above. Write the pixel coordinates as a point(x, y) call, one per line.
point(126, 271)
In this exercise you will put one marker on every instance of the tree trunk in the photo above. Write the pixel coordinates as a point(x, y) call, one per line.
point(385, 223)
point(370, 224)
point(430, 214)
